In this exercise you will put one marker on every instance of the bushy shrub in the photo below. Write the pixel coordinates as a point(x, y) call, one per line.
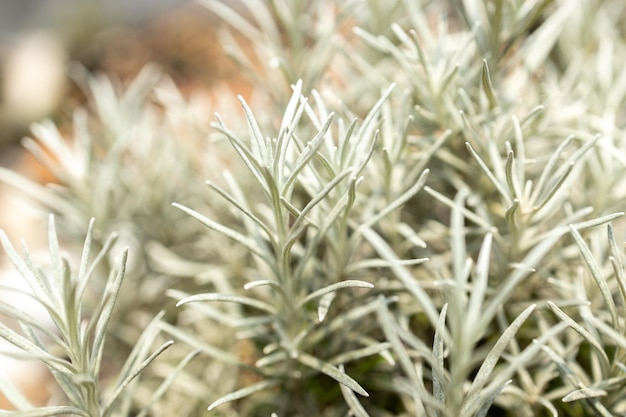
point(403, 219)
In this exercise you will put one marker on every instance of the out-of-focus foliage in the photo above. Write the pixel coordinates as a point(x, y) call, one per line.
point(402, 219)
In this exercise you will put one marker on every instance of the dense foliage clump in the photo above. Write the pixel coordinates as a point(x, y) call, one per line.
point(417, 211)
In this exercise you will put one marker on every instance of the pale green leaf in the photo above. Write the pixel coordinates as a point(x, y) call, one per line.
point(489, 398)
point(402, 274)
point(356, 354)
point(165, 385)
point(226, 231)
point(488, 85)
point(108, 408)
point(229, 298)
point(508, 198)
point(305, 156)
point(324, 305)
point(356, 408)
point(438, 375)
point(583, 394)
point(486, 368)
point(332, 371)
point(398, 202)
point(244, 210)
point(103, 315)
point(244, 392)
point(602, 356)
point(597, 275)
point(349, 283)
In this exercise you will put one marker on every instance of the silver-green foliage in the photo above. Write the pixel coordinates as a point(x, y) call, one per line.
point(73, 350)
point(305, 238)
point(412, 232)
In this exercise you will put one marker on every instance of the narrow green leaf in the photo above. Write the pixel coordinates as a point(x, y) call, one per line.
point(356, 354)
point(577, 155)
point(244, 210)
point(521, 359)
point(480, 221)
point(488, 85)
point(261, 282)
point(556, 187)
point(213, 352)
point(84, 259)
point(244, 392)
point(228, 232)
point(510, 214)
point(415, 386)
point(108, 408)
point(33, 351)
point(398, 202)
point(330, 370)
point(330, 221)
point(319, 197)
point(25, 319)
point(84, 279)
point(611, 332)
point(229, 298)
point(457, 241)
point(306, 155)
point(381, 263)
point(55, 256)
point(538, 45)
point(480, 281)
point(368, 156)
point(164, 386)
point(584, 394)
point(597, 221)
point(40, 287)
point(520, 151)
point(292, 113)
point(324, 305)
point(234, 19)
point(511, 282)
point(483, 166)
point(356, 408)
point(438, 375)
point(246, 155)
point(605, 363)
point(597, 275)
point(488, 399)
point(549, 167)
point(409, 234)
point(511, 177)
point(616, 262)
point(105, 311)
point(372, 116)
point(402, 274)
point(532, 114)
point(271, 358)
point(349, 283)
point(258, 142)
point(492, 358)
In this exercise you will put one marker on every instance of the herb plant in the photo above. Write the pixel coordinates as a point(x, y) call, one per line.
point(417, 211)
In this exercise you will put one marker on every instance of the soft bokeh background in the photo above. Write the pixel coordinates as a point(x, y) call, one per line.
point(40, 40)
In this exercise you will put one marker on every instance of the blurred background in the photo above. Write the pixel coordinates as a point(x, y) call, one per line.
point(40, 41)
